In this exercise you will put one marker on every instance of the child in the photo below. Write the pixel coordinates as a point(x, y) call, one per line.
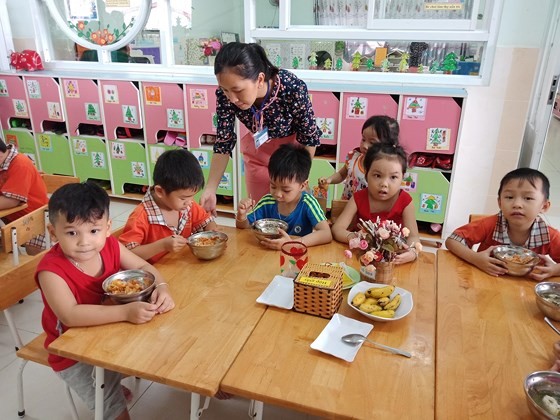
point(385, 165)
point(288, 200)
point(70, 276)
point(522, 195)
point(168, 215)
point(379, 128)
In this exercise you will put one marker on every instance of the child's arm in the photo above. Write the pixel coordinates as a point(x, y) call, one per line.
point(8, 203)
point(172, 243)
point(335, 178)
point(409, 221)
point(482, 260)
point(211, 226)
point(241, 221)
point(340, 230)
point(320, 235)
point(548, 269)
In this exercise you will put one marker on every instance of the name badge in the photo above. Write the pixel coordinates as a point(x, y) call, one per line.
point(260, 137)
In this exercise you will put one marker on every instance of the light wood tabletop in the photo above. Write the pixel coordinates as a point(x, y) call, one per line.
point(278, 366)
point(490, 336)
point(12, 210)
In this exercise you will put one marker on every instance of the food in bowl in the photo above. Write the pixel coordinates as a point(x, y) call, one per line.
point(122, 287)
point(129, 286)
point(519, 261)
point(269, 228)
point(207, 245)
point(547, 296)
point(542, 391)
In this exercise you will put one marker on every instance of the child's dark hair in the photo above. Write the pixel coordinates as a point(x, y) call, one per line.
point(178, 170)
point(3, 146)
point(245, 60)
point(529, 175)
point(290, 162)
point(86, 202)
point(385, 150)
point(386, 128)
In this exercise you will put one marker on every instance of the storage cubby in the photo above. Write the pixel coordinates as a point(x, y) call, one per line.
point(24, 142)
point(200, 102)
point(90, 158)
point(164, 109)
point(54, 154)
point(128, 165)
point(81, 100)
point(121, 109)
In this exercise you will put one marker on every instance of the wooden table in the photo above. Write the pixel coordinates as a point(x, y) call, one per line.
point(277, 365)
point(490, 336)
point(12, 210)
point(192, 346)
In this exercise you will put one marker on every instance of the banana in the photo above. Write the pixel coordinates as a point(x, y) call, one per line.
point(358, 299)
point(386, 313)
point(383, 301)
point(379, 292)
point(394, 303)
point(369, 307)
point(371, 301)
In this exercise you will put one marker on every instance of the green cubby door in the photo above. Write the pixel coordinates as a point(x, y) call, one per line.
point(54, 153)
point(90, 158)
point(429, 190)
point(128, 164)
point(227, 185)
point(155, 151)
point(24, 141)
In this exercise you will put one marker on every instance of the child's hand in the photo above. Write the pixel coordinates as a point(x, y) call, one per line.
point(544, 271)
point(162, 299)
point(487, 263)
point(174, 243)
point(244, 206)
point(140, 312)
point(324, 182)
point(405, 257)
point(276, 243)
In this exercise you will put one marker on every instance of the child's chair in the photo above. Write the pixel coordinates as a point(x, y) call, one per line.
point(54, 182)
point(337, 206)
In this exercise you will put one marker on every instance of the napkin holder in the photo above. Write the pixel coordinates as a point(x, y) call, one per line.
point(318, 290)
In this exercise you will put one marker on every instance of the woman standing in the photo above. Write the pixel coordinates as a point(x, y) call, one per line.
point(272, 103)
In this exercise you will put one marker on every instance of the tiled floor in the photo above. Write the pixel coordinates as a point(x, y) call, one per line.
point(43, 391)
point(550, 165)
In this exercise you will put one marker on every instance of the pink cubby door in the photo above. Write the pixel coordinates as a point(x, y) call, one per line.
point(326, 106)
point(13, 101)
point(429, 124)
point(45, 101)
point(356, 109)
point(121, 106)
point(201, 110)
point(81, 100)
point(164, 109)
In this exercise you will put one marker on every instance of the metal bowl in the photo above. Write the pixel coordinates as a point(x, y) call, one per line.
point(208, 245)
point(269, 228)
point(519, 261)
point(546, 294)
point(537, 385)
point(147, 278)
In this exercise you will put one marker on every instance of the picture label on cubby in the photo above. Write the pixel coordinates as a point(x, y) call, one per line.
point(415, 108)
point(430, 203)
point(175, 118)
point(156, 152)
point(12, 139)
point(98, 160)
point(33, 89)
point(118, 150)
point(3, 88)
point(80, 147)
point(71, 89)
point(20, 108)
point(199, 98)
point(225, 182)
point(357, 108)
point(202, 158)
point(111, 94)
point(130, 114)
point(152, 94)
point(138, 169)
point(92, 111)
point(54, 111)
point(409, 182)
point(45, 143)
point(438, 138)
point(326, 125)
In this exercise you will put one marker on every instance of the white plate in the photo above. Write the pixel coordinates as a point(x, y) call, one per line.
point(330, 339)
point(403, 310)
point(279, 293)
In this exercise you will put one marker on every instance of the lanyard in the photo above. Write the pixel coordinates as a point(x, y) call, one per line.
point(258, 114)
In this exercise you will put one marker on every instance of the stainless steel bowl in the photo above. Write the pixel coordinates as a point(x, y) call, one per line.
point(519, 261)
point(147, 278)
point(537, 385)
point(268, 228)
point(208, 245)
point(546, 293)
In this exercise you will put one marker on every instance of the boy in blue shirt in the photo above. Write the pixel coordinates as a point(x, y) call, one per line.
point(288, 200)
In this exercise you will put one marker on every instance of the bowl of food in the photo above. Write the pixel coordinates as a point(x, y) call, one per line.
point(129, 286)
point(269, 228)
point(519, 261)
point(542, 391)
point(380, 302)
point(207, 245)
point(547, 295)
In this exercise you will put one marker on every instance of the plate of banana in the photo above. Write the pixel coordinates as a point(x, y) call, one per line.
point(380, 302)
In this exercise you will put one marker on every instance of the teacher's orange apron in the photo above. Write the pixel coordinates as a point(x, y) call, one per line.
point(256, 163)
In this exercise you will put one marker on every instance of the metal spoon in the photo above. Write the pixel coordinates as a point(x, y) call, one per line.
point(549, 322)
point(355, 339)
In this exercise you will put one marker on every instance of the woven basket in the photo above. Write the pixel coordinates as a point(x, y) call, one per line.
point(318, 290)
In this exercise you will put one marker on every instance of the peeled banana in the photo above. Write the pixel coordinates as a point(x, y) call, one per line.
point(379, 292)
point(385, 313)
point(394, 303)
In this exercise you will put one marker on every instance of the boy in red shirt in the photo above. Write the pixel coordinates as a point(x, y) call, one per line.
point(20, 182)
point(168, 215)
point(522, 196)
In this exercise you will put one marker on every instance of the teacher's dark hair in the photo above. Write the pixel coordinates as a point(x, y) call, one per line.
point(245, 60)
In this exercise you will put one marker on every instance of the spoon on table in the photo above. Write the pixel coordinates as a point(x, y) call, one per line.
point(549, 322)
point(355, 339)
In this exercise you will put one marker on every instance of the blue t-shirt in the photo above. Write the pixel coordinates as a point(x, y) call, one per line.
point(301, 221)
